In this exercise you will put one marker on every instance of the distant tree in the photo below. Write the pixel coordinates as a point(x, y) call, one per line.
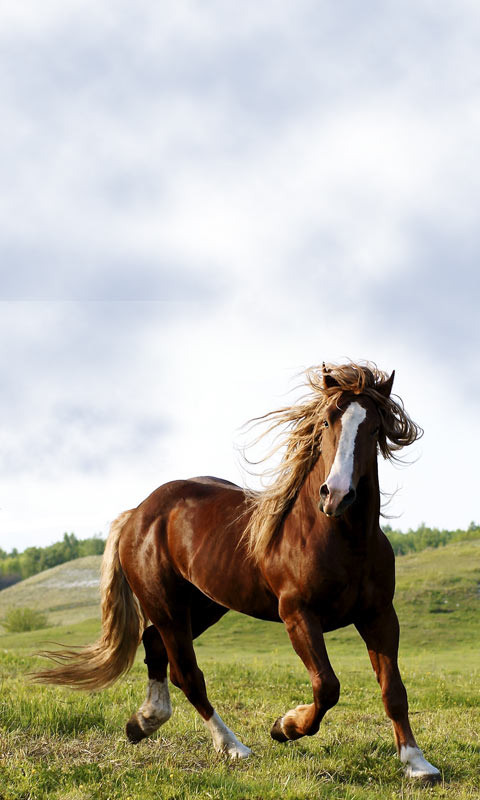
point(91, 547)
point(31, 561)
point(473, 527)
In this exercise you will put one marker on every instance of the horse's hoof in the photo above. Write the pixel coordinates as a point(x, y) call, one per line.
point(426, 779)
point(134, 731)
point(277, 732)
point(417, 768)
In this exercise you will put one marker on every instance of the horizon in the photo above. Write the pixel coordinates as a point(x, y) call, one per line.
point(385, 527)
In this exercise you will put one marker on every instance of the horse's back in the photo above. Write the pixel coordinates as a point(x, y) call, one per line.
point(202, 492)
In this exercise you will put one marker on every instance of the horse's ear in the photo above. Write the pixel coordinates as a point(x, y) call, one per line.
point(385, 388)
point(329, 381)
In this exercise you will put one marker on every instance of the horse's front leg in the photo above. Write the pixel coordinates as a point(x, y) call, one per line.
point(381, 635)
point(306, 635)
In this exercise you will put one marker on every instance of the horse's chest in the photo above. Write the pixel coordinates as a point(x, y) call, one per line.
point(336, 601)
point(339, 593)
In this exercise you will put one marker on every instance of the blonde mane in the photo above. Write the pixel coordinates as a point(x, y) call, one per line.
point(300, 437)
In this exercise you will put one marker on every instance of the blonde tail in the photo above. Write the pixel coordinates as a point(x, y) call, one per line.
point(123, 622)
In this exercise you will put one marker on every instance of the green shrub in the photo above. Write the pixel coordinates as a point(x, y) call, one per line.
point(17, 620)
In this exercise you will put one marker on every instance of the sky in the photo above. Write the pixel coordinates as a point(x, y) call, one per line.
point(200, 200)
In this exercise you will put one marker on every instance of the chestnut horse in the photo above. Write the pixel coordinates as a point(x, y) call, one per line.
point(307, 551)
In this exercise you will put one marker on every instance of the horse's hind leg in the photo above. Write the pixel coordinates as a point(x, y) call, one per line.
point(156, 709)
point(185, 673)
point(381, 637)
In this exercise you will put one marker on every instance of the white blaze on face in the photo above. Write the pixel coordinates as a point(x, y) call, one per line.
point(340, 477)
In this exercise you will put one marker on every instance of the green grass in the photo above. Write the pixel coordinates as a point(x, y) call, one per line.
point(65, 745)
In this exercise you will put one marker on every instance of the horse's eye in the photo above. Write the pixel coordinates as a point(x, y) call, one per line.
point(325, 423)
point(376, 431)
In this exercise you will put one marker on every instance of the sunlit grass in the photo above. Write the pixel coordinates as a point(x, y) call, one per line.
point(64, 744)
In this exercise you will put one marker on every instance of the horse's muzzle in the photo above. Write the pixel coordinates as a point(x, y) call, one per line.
point(334, 503)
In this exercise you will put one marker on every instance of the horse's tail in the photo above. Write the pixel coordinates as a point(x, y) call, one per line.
point(123, 621)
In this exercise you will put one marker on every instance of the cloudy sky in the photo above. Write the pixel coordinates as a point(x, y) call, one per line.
point(199, 200)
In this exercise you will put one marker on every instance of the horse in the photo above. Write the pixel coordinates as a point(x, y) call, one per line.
point(307, 551)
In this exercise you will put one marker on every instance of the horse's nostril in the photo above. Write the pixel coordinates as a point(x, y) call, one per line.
point(324, 491)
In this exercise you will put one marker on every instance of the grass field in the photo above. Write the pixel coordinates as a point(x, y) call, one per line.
point(64, 745)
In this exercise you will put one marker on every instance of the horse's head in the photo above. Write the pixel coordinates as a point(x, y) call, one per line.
point(351, 428)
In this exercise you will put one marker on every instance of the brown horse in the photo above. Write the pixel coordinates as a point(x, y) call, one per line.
point(307, 551)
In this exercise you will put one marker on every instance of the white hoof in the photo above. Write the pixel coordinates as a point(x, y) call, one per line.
point(224, 740)
point(417, 767)
point(238, 750)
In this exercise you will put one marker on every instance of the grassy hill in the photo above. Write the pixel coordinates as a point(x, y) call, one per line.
point(67, 594)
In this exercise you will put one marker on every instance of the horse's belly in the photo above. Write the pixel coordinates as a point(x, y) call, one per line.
point(239, 590)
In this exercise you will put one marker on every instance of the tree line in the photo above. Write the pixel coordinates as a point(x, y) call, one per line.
point(15, 566)
point(423, 537)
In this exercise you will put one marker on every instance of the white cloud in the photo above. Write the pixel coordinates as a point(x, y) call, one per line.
point(295, 182)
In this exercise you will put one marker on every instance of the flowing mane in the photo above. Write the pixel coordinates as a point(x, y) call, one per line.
point(300, 436)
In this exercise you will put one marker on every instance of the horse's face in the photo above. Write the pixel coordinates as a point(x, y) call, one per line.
point(349, 450)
